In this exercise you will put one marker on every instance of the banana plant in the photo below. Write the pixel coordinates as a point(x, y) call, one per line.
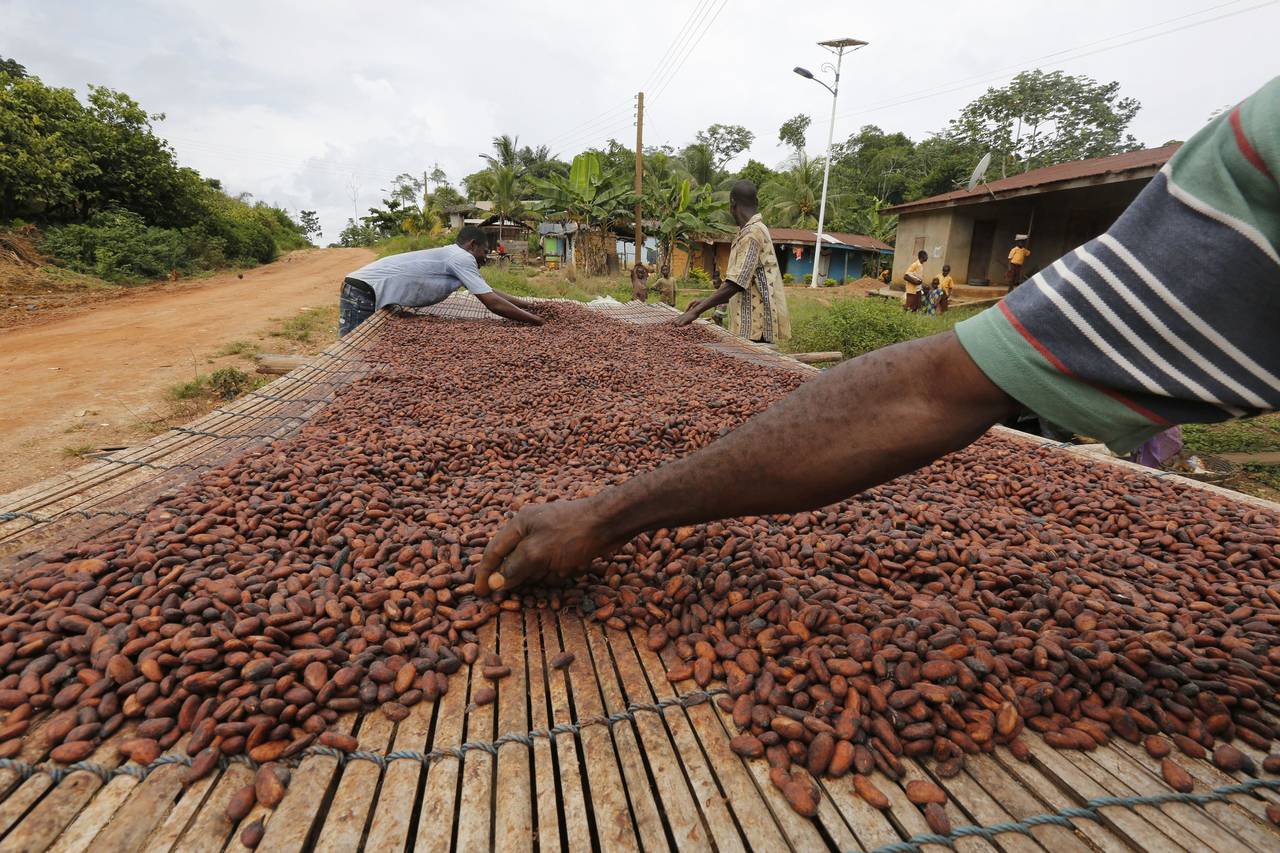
point(590, 196)
point(681, 209)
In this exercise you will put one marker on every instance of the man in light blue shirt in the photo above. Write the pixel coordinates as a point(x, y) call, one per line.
point(418, 279)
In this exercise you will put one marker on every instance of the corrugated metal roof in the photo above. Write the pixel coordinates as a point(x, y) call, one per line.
point(805, 237)
point(1116, 164)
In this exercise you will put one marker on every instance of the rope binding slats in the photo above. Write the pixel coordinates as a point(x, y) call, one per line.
point(25, 770)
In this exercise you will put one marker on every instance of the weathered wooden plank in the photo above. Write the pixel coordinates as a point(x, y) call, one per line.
point(614, 827)
point(676, 760)
point(978, 807)
point(742, 794)
point(16, 804)
point(40, 828)
point(1155, 815)
point(908, 813)
point(291, 823)
point(164, 838)
point(95, 815)
point(344, 821)
point(393, 813)
point(474, 806)
point(1133, 827)
point(1099, 836)
point(869, 824)
point(434, 831)
point(1244, 816)
point(547, 800)
point(211, 829)
point(513, 791)
point(1015, 799)
point(573, 802)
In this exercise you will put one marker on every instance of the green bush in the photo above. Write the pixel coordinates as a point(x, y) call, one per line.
point(414, 242)
point(857, 326)
point(698, 276)
point(788, 278)
point(116, 246)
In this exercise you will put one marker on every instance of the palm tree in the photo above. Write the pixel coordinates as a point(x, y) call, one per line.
point(506, 151)
point(697, 162)
point(790, 198)
point(507, 203)
point(588, 195)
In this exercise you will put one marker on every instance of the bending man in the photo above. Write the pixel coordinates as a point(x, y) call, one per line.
point(1169, 317)
point(418, 279)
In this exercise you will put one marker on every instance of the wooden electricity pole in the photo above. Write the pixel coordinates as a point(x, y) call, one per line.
point(639, 172)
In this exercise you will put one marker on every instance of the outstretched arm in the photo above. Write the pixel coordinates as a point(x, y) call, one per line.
point(519, 303)
point(720, 297)
point(865, 422)
point(503, 307)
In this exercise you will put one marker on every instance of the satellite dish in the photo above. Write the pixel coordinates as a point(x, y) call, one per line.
point(979, 171)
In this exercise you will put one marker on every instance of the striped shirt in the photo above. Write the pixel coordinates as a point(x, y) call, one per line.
point(1173, 315)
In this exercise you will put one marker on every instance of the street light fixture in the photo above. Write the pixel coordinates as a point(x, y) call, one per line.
point(839, 47)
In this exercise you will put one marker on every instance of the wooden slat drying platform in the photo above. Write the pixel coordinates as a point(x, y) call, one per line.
point(656, 778)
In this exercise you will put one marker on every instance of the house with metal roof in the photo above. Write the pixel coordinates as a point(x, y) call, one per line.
point(844, 257)
point(1060, 207)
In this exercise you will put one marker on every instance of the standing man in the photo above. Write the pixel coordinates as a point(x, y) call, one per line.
point(1197, 253)
point(1017, 257)
point(418, 279)
point(752, 284)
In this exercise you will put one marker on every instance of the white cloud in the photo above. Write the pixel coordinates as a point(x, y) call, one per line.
point(296, 102)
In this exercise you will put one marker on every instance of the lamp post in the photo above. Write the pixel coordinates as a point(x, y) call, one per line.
point(839, 47)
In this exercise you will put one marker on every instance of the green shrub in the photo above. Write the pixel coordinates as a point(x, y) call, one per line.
point(857, 326)
point(698, 276)
point(788, 278)
point(229, 382)
point(414, 242)
point(118, 245)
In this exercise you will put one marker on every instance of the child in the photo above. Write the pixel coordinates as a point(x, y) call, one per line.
point(945, 282)
point(930, 297)
point(912, 279)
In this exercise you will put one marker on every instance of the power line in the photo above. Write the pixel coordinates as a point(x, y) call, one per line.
point(668, 53)
point(954, 86)
point(592, 125)
point(691, 49)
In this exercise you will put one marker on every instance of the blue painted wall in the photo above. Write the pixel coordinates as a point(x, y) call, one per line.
point(845, 263)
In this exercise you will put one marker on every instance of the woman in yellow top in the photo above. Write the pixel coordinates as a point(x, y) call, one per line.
point(1017, 257)
point(945, 283)
point(912, 279)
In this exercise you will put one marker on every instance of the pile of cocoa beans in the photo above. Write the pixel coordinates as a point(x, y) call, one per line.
point(1003, 588)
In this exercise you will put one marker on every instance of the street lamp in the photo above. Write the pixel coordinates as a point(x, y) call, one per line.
point(839, 47)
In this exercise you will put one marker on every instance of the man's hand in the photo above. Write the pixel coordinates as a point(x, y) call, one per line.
point(690, 314)
point(544, 542)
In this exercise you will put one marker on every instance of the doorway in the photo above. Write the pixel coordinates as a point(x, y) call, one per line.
point(980, 246)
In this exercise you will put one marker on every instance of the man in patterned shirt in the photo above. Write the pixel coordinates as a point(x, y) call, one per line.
point(1172, 316)
point(752, 284)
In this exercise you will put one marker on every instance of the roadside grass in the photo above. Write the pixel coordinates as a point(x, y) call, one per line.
point(246, 348)
point(308, 325)
point(78, 451)
point(1254, 435)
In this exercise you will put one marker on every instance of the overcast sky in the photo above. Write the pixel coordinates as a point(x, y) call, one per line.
point(304, 104)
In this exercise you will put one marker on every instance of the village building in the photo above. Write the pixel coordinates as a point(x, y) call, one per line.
point(845, 257)
point(1060, 207)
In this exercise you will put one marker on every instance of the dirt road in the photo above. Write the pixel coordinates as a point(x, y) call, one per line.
point(95, 377)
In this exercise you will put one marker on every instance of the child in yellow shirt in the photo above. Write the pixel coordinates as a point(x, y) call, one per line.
point(945, 283)
point(911, 280)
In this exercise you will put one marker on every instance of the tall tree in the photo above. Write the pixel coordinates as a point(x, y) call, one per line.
point(755, 172)
point(793, 131)
point(790, 198)
point(506, 151)
point(310, 224)
point(699, 163)
point(725, 141)
point(1044, 118)
point(681, 209)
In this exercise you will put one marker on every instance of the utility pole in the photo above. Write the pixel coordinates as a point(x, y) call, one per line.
point(639, 172)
